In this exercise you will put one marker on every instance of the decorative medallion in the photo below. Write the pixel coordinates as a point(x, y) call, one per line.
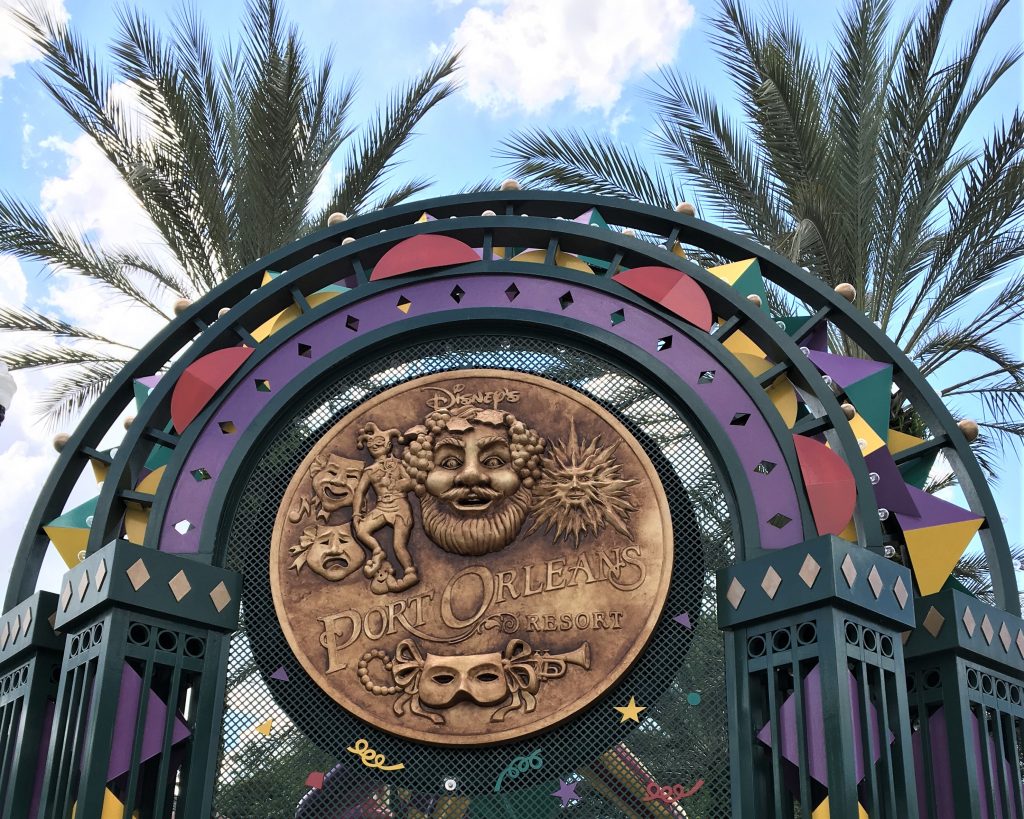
point(471, 557)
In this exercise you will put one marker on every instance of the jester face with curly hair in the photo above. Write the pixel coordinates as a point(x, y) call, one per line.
point(474, 471)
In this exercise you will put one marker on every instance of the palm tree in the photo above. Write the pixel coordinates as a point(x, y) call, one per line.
point(224, 158)
point(855, 163)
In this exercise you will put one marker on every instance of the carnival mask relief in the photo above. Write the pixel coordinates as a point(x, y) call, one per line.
point(446, 681)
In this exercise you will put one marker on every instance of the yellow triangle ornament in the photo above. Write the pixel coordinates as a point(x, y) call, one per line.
point(934, 551)
point(265, 727)
point(822, 811)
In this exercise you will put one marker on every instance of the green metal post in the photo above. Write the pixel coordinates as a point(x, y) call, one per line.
point(144, 663)
point(30, 652)
point(816, 683)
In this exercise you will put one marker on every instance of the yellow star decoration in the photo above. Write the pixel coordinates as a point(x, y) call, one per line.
point(631, 711)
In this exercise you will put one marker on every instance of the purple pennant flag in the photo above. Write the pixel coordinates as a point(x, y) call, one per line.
point(126, 720)
point(891, 491)
point(683, 620)
point(280, 674)
point(843, 369)
point(814, 726)
point(933, 511)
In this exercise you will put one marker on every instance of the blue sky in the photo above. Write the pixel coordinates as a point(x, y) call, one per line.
point(528, 63)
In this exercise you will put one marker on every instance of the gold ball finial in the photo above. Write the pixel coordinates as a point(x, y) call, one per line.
point(509, 185)
point(970, 429)
point(223, 312)
point(347, 240)
point(629, 232)
point(754, 299)
point(846, 290)
point(335, 218)
point(488, 213)
point(848, 410)
point(129, 421)
point(686, 208)
point(181, 305)
point(60, 440)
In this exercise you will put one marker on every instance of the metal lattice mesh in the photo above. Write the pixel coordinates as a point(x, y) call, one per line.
point(680, 677)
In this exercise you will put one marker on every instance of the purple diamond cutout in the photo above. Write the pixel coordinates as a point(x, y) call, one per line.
point(814, 722)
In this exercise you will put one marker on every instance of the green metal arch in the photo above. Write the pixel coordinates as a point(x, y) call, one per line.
point(321, 259)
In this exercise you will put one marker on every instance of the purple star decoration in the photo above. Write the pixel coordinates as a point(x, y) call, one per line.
point(814, 723)
point(566, 792)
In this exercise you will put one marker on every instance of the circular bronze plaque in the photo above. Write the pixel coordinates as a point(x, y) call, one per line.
point(471, 557)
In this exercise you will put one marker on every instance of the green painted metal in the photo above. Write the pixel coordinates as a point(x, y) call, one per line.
point(851, 607)
point(814, 607)
point(29, 668)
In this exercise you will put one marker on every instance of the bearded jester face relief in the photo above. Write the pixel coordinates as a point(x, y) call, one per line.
point(474, 471)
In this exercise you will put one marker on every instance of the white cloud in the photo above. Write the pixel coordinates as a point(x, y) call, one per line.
point(13, 284)
point(15, 47)
point(532, 54)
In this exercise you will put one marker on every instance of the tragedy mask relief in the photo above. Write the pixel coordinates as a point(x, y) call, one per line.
point(474, 472)
point(329, 551)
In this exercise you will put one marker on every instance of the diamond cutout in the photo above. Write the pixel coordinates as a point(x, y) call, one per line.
point(969, 622)
point(512, 292)
point(227, 427)
point(779, 520)
point(5, 635)
point(900, 591)
point(986, 629)
point(83, 586)
point(565, 299)
point(138, 574)
point(16, 630)
point(305, 351)
point(735, 593)
point(457, 294)
point(183, 527)
point(1020, 643)
point(352, 323)
point(26, 621)
point(1004, 637)
point(179, 585)
point(65, 596)
point(404, 304)
point(706, 377)
point(262, 385)
point(849, 570)
point(101, 573)
point(201, 475)
point(618, 317)
point(764, 468)
point(665, 343)
point(875, 581)
point(740, 419)
point(933, 621)
point(220, 596)
point(809, 571)
point(771, 582)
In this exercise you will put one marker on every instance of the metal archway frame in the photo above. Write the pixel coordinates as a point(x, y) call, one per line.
point(855, 574)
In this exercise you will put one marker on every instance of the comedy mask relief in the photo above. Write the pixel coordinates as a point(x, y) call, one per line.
point(335, 481)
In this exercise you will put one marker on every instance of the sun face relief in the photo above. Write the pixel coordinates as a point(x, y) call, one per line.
point(496, 567)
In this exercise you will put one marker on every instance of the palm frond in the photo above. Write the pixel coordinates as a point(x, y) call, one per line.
point(373, 157)
point(572, 160)
point(66, 397)
point(29, 321)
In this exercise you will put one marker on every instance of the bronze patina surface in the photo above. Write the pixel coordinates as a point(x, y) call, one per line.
point(471, 557)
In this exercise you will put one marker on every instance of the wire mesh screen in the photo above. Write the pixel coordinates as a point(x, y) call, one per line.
point(603, 767)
